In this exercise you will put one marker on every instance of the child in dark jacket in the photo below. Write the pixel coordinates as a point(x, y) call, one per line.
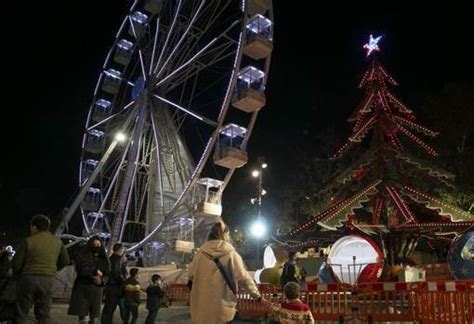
point(131, 296)
point(154, 294)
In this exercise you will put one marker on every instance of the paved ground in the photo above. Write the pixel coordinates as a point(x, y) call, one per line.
point(173, 314)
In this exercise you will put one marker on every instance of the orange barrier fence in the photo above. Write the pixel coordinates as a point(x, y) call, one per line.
point(250, 308)
point(178, 293)
point(390, 301)
point(329, 302)
point(436, 302)
point(449, 302)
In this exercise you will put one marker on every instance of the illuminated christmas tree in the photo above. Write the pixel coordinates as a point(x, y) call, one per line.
point(389, 193)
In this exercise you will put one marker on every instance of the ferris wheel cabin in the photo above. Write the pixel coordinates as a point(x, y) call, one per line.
point(228, 153)
point(95, 141)
point(95, 222)
point(249, 91)
point(139, 21)
point(112, 81)
point(123, 52)
point(208, 204)
point(88, 167)
point(92, 199)
point(102, 110)
point(259, 37)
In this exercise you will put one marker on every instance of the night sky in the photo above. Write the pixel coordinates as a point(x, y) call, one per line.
point(53, 60)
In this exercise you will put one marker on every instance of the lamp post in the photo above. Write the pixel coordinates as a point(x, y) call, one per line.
point(258, 228)
point(258, 173)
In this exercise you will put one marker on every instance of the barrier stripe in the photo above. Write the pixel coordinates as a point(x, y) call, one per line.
point(437, 302)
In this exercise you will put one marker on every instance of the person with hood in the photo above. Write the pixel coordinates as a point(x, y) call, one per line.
point(92, 267)
point(215, 271)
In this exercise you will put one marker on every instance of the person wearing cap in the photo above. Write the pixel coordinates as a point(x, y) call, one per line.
point(36, 261)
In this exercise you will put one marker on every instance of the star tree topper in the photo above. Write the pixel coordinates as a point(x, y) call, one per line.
point(372, 45)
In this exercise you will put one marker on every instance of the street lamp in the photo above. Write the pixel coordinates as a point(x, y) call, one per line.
point(258, 173)
point(258, 228)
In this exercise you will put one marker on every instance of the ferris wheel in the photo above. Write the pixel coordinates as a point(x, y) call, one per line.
point(170, 119)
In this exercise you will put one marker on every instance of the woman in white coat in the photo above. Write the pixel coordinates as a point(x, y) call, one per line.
point(212, 301)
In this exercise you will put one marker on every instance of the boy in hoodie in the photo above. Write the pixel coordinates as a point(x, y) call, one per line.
point(154, 294)
point(131, 296)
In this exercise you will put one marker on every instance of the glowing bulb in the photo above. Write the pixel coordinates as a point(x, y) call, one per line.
point(264, 166)
point(255, 173)
point(258, 229)
point(120, 137)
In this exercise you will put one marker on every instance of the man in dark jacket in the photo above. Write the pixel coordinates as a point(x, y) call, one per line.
point(113, 290)
point(36, 262)
point(154, 294)
point(291, 271)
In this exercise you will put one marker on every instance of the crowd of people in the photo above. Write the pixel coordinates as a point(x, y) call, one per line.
point(36, 263)
point(216, 272)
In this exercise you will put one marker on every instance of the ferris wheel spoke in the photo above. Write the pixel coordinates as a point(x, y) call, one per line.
point(142, 64)
point(165, 45)
point(186, 63)
point(193, 58)
point(199, 66)
point(132, 7)
point(157, 75)
point(155, 39)
point(188, 111)
point(111, 117)
point(201, 32)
